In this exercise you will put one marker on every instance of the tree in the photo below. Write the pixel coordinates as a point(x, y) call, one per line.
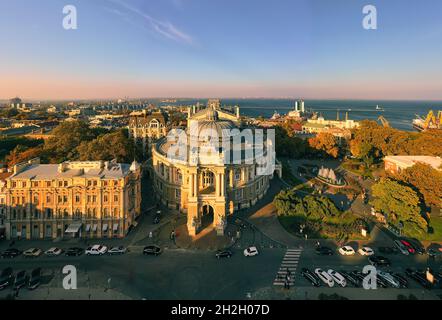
point(325, 142)
point(400, 203)
point(66, 138)
point(22, 154)
point(115, 145)
point(427, 181)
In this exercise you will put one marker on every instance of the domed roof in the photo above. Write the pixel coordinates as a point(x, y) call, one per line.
point(212, 115)
point(208, 127)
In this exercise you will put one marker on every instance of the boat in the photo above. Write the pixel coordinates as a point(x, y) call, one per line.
point(379, 108)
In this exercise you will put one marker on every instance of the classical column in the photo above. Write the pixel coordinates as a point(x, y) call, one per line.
point(191, 186)
point(231, 172)
point(222, 185)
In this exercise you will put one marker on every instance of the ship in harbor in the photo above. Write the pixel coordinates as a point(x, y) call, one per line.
point(431, 121)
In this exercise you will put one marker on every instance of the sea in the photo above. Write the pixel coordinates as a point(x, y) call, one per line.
point(399, 114)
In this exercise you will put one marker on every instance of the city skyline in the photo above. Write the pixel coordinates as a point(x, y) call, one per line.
point(176, 48)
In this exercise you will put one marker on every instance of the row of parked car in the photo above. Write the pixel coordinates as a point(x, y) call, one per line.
point(20, 279)
point(97, 249)
point(400, 246)
point(355, 278)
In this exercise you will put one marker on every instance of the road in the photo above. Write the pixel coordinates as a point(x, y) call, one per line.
point(184, 274)
point(176, 274)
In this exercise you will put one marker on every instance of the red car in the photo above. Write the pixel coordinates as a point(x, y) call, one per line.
point(409, 246)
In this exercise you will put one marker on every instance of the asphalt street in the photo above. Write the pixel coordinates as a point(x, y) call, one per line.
point(191, 274)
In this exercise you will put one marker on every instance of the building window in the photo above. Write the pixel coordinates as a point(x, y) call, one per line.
point(237, 175)
point(116, 198)
point(208, 178)
point(77, 198)
point(105, 198)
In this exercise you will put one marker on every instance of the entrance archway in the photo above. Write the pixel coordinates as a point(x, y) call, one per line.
point(207, 216)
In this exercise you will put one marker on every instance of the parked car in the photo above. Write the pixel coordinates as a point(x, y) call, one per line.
point(389, 278)
point(152, 250)
point(324, 251)
point(409, 247)
point(6, 278)
point(337, 277)
point(32, 253)
point(117, 250)
point(351, 278)
point(223, 254)
point(366, 251)
point(325, 277)
point(96, 250)
point(402, 249)
point(379, 261)
point(418, 248)
point(11, 253)
point(402, 280)
point(53, 252)
point(419, 277)
point(388, 250)
point(347, 251)
point(311, 277)
point(20, 279)
point(358, 275)
point(251, 252)
point(74, 252)
point(34, 279)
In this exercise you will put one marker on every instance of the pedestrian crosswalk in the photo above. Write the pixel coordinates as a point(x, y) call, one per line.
point(287, 270)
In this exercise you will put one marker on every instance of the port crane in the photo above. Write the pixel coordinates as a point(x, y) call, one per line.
point(432, 121)
point(384, 122)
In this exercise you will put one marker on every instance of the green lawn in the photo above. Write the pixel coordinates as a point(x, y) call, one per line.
point(436, 223)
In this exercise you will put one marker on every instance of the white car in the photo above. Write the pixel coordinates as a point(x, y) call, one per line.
point(337, 277)
point(366, 251)
point(97, 249)
point(325, 277)
point(251, 252)
point(53, 252)
point(347, 251)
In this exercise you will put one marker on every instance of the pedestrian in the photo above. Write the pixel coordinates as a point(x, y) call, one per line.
point(150, 235)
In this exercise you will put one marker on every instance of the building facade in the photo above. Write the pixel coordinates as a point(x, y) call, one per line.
point(89, 199)
point(397, 164)
point(146, 128)
point(202, 184)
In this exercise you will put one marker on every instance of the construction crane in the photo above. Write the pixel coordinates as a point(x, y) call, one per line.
point(384, 122)
point(433, 122)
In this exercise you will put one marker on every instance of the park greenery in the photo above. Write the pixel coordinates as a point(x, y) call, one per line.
point(318, 217)
point(401, 205)
point(75, 140)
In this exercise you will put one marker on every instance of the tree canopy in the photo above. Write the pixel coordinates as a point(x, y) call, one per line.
point(426, 180)
point(400, 203)
point(325, 142)
point(313, 208)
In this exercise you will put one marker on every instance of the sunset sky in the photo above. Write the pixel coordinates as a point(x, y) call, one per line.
point(221, 48)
